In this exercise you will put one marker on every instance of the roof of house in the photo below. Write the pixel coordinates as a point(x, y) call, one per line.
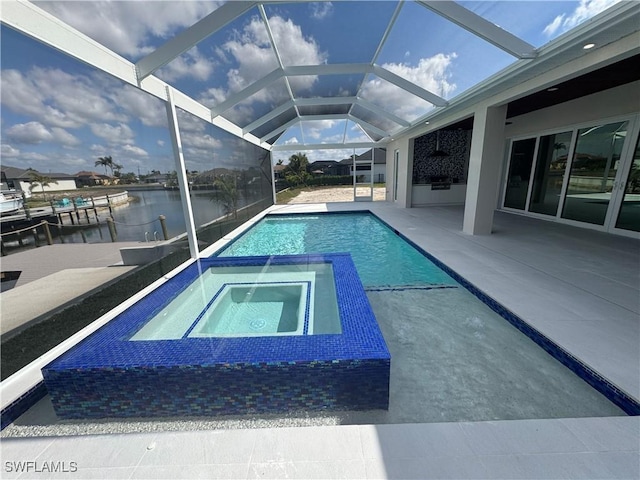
point(23, 174)
point(84, 173)
point(323, 163)
point(380, 157)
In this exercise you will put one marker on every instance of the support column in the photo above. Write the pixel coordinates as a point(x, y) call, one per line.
point(183, 182)
point(405, 171)
point(487, 150)
point(273, 178)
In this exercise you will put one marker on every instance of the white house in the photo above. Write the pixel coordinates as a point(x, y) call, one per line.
point(18, 179)
point(363, 165)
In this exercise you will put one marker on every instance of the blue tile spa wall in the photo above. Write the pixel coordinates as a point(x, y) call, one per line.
point(107, 375)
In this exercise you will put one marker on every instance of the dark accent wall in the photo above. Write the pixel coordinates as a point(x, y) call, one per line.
point(456, 143)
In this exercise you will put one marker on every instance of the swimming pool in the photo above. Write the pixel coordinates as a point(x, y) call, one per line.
point(382, 257)
point(457, 354)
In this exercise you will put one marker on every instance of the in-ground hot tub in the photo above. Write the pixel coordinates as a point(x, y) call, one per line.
point(249, 300)
point(233, 335)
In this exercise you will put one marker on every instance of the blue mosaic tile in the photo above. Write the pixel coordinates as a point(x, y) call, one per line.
point(22, 404)
point(106, 375)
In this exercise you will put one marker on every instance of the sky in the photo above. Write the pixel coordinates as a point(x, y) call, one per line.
point(60, 115)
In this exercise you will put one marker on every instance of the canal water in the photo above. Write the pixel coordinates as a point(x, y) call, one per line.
point(138, 220)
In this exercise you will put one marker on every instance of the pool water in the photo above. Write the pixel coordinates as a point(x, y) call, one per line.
point(453, 357)
point(248, 301)
point(382, 258)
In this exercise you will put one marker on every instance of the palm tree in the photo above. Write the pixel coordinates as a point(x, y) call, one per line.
point(38, 179)
point(172, 179)
point(296, 172)
point(228, 190)
point(105, 162)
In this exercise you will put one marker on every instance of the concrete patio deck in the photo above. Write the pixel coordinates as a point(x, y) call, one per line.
point(55, 275)
point(581, 288)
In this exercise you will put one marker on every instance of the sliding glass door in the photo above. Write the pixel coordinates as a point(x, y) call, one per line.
point(522, 152)
point(629, 215)
point(588, 174)
point(593, 170)
point(553, 153)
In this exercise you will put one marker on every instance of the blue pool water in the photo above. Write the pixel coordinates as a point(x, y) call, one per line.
point(382, 258)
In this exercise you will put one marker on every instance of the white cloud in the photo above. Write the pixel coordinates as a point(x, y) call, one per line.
point(584, 11)
point(251, 49)
point(357, 134)
point(252, 52)
point(133, 150)
point(21, 95)
point(56, 98)
point(191, 64)
point(432, 74)
point(150, 110)
point(113, 134)
point(201, 142)
point(36, 157)
point(316, 129)
point(63, 137)
point(160, 143)
point(29, 133)
point(321, 10)
point(7, 151)
point(294, 47)
point(212, 96)
point(189, 123)
point(292, 141)
point(553, 27)
point(99, 149)
point(129, 27)
point(72, 162)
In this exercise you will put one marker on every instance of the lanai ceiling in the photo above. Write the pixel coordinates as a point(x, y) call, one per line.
point(333, 74)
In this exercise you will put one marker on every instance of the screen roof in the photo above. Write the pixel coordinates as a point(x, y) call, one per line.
point(324, 73)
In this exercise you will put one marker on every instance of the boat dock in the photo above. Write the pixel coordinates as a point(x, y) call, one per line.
point(35, 224)
point(70, 209)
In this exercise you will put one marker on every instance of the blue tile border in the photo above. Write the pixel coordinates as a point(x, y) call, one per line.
point(217, 294)
point(108, 375)
point(23, 403)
